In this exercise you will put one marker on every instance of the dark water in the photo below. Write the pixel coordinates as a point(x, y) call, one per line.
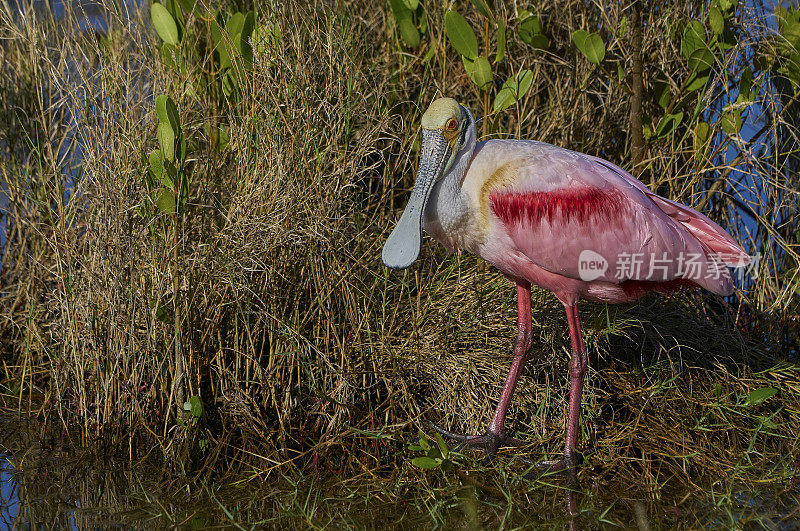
point(46, 483)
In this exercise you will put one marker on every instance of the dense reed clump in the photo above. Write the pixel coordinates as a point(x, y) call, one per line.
point(252, 327)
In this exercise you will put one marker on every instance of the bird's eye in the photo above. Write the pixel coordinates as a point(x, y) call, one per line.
point(452, 125)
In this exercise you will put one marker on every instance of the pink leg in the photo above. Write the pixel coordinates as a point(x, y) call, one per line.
point(521, 347)
point(577, 371)
point(495, 436)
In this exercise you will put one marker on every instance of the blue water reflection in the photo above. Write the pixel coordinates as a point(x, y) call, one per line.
point(9, 496)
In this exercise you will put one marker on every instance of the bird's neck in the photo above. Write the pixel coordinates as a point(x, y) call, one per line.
point(447, 213)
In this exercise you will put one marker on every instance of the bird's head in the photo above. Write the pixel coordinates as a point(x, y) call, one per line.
point(444, 128)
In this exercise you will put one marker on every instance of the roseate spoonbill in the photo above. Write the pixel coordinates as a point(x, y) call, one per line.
point(571, 223)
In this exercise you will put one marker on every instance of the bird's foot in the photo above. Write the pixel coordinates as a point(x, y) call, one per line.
point(489, 443)
point(565, 465)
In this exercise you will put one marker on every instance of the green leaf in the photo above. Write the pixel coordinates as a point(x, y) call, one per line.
point(167, 112)
point(647, 130)
point(168, 55)
point(540, 42)
point(175, 10)
point(164, 23)
point(513, 90)
point(221, 47)
point(224, 139)
point(760, 395)
point(159, 172)
point(400, 10)
point(234, 24)
point(196, 406)
point(727, 40)
point(530, 31)
point(188, 5)
point(431, 52)
point(184, 195)
point(662, 93)
point(620, 72)
point(443, 449)
point(409, 32)
point(181, 154)
point(165, 202)
point(746, 82)
point(668, 123)
point(715, 21)
point(501, 41)
point(731, 122)
point(426, 462)
point(479, 71)
point(590, 44)
point(424, 442)
point(694, 38)
point(460, 35)
point(166, 141)
point(481, 6)
point(767, 423)
point(411, 4)
point(244, 38)
point(266, 36)
point(229, 83)
point(702, 132)
point(701, 60)
point(696, 83)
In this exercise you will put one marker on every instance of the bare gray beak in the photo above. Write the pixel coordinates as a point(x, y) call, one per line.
point(403, 245)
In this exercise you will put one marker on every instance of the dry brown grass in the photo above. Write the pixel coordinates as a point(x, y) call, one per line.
point(298, 341)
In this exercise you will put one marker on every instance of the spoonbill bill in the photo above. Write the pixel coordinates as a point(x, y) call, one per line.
point(571, 223)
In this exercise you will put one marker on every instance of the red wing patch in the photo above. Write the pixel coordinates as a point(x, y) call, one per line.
point(580, 204)
point(637, 288)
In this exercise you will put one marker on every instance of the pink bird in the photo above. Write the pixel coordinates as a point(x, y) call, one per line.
point(571, 223)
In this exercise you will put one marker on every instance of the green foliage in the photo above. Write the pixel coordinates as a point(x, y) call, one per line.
point(164, 24)
point(702, 136)
point(501, 41)
point(731, 122)
point(694, 38)
point(787, 45)
point(531, 30)
point(436, 455)
point(460, 35)
point(716, 21)
point(166, 140)
point(410, 20)
point(479, 68)
point(479, 71)
point(590, 45)
point(194, 407)
point(701, 60)
point(513, 90)
point(760, 395)
point(482, 7)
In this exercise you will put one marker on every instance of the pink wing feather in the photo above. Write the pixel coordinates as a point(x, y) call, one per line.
point(706, 231)
point(564, 204)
